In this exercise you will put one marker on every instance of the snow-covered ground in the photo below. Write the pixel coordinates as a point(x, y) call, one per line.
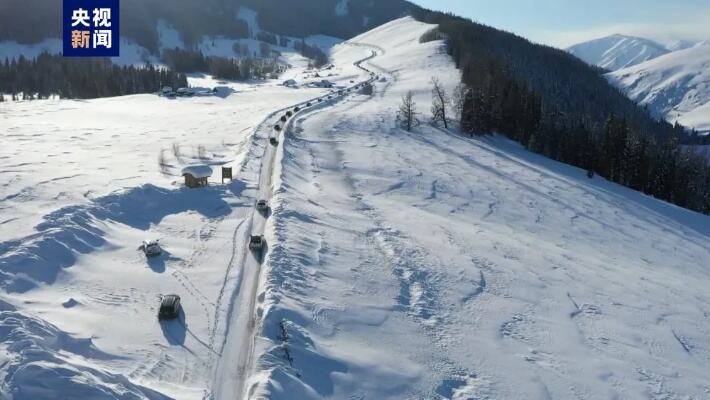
point(399, 265)
point(428, 265)
point(80, 188)
point(675, 86)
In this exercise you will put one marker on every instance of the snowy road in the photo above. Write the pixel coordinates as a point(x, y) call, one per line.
point(235, 365)
point(428, 265)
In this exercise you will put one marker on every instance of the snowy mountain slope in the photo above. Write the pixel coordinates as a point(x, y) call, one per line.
point(671, 86)
point(617, 51)
point(698, 118)
point(82, 187)
point(85, 183)
point(428, 265)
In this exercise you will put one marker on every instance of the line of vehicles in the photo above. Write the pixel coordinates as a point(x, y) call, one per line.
point(170, 304)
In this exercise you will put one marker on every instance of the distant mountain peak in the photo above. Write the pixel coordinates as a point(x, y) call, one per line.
point(617, 51)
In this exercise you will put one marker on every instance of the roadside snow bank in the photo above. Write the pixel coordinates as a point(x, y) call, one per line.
point(39, 361)
point(292, 364)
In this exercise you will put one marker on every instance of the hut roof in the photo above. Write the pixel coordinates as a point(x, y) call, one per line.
point(197, 171)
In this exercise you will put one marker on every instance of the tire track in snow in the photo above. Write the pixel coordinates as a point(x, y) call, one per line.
point(235, 386)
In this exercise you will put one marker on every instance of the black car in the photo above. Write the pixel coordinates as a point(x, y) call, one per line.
point(169, 307)
point(284, 118)
point(273, 141)
point(297, 109)
point(256, 242)
point(289, 114)
point(308, 104)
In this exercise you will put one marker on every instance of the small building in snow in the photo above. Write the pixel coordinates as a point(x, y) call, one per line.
point(196, 175)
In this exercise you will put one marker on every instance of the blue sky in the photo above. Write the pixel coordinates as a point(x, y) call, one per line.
point(565, 22)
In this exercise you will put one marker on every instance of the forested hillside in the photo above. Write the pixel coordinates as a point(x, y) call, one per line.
point(30, 21)
point(559, 106)
point(80, 78)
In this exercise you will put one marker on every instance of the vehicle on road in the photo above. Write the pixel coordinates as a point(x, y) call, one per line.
point(284, 118)
point(169, 307)
point(289, 114)
point(262, 205)
point(151, 248)
point(185, 92)
point(297, 109)
point(273, 141)
point(256, 242)
point(277, 128)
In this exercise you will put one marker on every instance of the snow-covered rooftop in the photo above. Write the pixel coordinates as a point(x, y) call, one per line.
point(198, 171)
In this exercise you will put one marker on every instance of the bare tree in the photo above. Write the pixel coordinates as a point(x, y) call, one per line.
point(264, 49)
point(201, 152)
point(177, 152)
point(439, 103)
point(407, 113)
point(162, 162)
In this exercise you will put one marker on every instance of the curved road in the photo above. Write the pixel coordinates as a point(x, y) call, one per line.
point(235, 364)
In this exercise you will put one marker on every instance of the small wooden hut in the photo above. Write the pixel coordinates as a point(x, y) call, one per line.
point(196, 175)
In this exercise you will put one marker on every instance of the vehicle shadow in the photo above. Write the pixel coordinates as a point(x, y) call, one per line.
point(259, 253)
point(266, 213)
point(175, 330)
point(159, 262)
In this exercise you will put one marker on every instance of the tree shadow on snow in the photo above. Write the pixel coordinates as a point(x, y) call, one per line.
point(76, 229)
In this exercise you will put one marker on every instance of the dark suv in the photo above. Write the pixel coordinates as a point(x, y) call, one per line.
point(256, 242)
point(169, 307)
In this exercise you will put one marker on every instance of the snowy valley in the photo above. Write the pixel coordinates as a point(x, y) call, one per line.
point(398, 265)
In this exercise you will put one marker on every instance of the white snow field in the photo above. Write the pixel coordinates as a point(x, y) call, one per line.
point(421, 265)
point(428, 265)
point(675, 86)
point(80, 188)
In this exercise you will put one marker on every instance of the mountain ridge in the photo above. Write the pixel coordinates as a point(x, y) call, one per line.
point(617, 51)
point(672, 86)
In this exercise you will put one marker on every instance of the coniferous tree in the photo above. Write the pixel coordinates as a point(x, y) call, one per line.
point(407, 113)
